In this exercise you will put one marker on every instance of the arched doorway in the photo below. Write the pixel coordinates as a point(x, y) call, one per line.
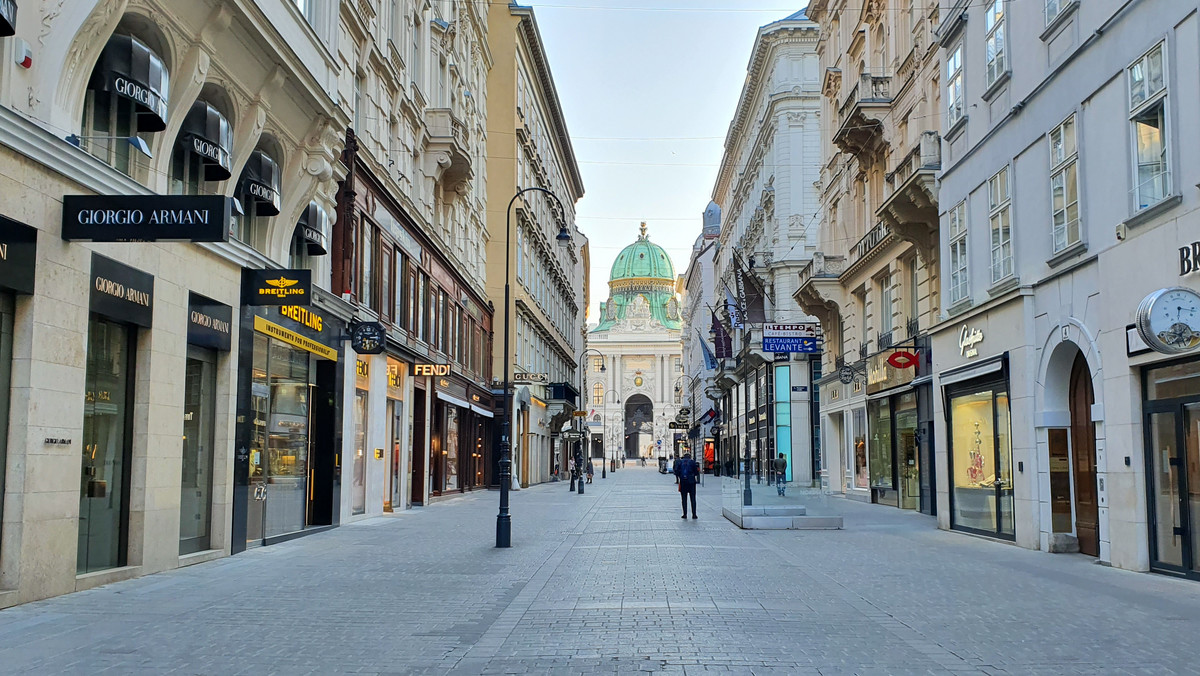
point(1083, 457)
point(639, 424)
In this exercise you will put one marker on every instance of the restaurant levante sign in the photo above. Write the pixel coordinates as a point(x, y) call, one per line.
point(146, 218)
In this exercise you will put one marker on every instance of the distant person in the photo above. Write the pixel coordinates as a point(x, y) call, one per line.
point(675, 466)
point(591, 469)
point(780, 466)
point(687, 471)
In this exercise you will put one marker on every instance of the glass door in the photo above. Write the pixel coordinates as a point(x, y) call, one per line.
point(1172, 422)
point(906, 451)
point(287, 471)
point(199, 421)
point(1166, 489)
point(395, 426)
point(259, 403)
point(104, 482)
point(981, 492)
point(358, 488)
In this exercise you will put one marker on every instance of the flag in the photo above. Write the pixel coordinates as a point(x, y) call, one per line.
point(734, 310)
point(750, 294)
point(710, 361)
point(723, 342)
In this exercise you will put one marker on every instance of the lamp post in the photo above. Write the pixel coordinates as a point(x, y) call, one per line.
point(583, 395)
point(503, 519)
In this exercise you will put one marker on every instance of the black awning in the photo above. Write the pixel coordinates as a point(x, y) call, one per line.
point(260, 183)
point(8, 18)
point(207, 133)
point(129, 68)
point(313, 229)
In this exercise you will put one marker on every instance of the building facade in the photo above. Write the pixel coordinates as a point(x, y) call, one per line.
point(637, 382)
point(133, 425)
point(1066, 200)
point(770, 212)
point(873, 280)
point(699, 289)
point(528, 146)
point(409, 250)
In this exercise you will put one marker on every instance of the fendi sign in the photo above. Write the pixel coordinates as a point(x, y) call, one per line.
point(146, 218)
point(431, 370)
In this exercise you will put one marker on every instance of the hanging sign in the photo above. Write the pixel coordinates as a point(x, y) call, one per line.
point(121, 292)
point(368, 338)
point(276, 287)
point(146, 218)
point(18, 251)
point(791, 338)
point(902, 359)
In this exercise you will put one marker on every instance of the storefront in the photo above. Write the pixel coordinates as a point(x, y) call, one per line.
point(980, 448)
point(18, 242)
point(462, 431)
point(287, 468)
point(395, 480)
point(209, 337)
point(1171, 408)
point(899, 424)
point(844, 428)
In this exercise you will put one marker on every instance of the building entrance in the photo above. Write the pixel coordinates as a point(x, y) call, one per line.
point(639, 426)
point(1083, 446)
point(1172, 424)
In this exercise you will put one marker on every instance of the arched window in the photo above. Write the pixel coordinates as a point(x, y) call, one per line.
point(597, 394)
point(126, 96)
point(258, 192)
point(201, 152)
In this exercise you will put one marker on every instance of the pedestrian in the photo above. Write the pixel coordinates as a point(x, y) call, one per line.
point(781, 473)
point(591, 469)
point(687, 471)
point(675, 466)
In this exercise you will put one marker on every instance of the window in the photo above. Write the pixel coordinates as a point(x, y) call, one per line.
point(914, 290)
point(861, 297)
point(999, 219)
point(359, 86)
point(366, 263)
point(309, 9)
point(885, 303)
point(1064, 185)
point(1148, 115)
point(297, 252)
point(954, 86)
point(1054, 8)
point(959, 284)
point(997, 64)
point(597, 395)
point(597, 364)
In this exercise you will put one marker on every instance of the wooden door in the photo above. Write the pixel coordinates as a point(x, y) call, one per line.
point(1083, 447)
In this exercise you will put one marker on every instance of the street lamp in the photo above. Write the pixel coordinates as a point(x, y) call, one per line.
point(583, 394)
point(503, 519)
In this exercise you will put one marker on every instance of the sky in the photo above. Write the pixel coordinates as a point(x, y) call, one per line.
point(648, 88)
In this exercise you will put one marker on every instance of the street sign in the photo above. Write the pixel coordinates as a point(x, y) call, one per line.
point(677, 425)
point(572, 436)
point(579, 414)
point(791, 338)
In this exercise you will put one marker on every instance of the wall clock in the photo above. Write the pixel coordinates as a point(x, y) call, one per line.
point(1169, 320)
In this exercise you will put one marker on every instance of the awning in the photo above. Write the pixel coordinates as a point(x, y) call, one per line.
point(462, 403)
point(129, 68)
point(260, 183)
point(8, 18)
point(207, 133)
point(313, 228)
point(482, 411)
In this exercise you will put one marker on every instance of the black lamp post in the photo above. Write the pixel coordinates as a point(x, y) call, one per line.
point(583, 395)
point(503, 519)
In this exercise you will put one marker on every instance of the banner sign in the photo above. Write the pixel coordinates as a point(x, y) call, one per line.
point(791, 338)
point(120, 292)
point(276, 287)
point(18, 252)
point(146, 218)
point(210, 324)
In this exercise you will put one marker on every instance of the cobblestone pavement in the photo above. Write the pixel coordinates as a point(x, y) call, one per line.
point(613, 581)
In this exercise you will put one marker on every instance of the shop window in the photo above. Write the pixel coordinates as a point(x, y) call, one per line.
point(126, 96)
point(358, 488)
point(879, 428)
point(981, 461)
point(858, 429)
point(1148, 117)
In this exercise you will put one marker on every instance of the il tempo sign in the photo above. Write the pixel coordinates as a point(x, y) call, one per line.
point(791, 338)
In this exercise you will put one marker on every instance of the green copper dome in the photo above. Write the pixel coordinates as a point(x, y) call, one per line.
point(642, 260)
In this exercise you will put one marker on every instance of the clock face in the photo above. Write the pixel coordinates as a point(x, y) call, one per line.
point(1169, 320)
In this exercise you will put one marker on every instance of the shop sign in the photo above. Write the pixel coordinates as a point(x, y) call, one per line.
point(791, 338)
point(121, 292)
point(362, 372)
point(303, 315)
point(210, 324)
point(968, 338)
point(882, 375)
point(395, 379)
point(902, 359)
point(18, 252)
point(531, 378)
point(276, 287)
point(1189, 259)
point(434, 370)
point(146, 218)
point(294, 339)
point(368, 338)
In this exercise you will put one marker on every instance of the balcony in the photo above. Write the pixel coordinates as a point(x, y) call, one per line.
point(885, 339)
point(859, 131)
point(911, 211)
point(871, 242)
point(912, 328)
point(819, 293)
point(448, 148)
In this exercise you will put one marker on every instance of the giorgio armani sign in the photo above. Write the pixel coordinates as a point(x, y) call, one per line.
point(146, 218)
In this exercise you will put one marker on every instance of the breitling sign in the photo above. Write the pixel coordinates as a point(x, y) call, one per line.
point(276, 287)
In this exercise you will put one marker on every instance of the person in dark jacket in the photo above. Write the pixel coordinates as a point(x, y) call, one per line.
point(688, 473)
point(780, 466)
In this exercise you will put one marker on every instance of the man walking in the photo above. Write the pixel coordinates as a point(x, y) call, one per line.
point(781, 473)
point(687, 471)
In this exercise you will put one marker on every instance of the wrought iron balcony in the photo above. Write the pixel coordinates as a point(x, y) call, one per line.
point(913, 327)
point(862, 350)
point(876, 236)
point(884, 340)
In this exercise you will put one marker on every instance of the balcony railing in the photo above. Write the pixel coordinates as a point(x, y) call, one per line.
point(884, 341)
point(925, 155)
point(870, 89)
point(912, 327)
point(862, 350)
point(822, 266)
point(872, 239)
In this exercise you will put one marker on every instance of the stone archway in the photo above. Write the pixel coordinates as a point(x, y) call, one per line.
point(639, 423)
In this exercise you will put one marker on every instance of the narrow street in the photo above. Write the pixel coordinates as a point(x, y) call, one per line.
point(615, 582)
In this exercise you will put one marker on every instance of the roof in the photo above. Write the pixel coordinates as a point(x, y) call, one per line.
point(798, 16)
point(642, 260)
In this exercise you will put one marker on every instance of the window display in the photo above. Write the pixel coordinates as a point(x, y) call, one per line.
point(859, 434)
point(358, 488)
point(981, 459)
point(879, 421)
